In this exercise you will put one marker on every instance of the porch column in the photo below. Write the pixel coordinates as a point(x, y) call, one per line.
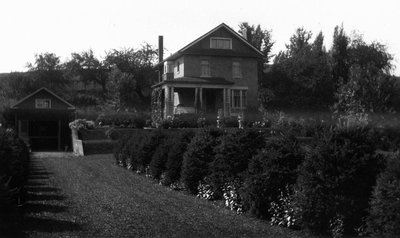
point(227, 102)
point(168, 102)
point(172, 101)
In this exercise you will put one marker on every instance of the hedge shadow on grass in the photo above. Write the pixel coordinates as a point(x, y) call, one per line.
point(50, 225)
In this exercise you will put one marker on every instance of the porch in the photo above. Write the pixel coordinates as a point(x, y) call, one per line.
point(190, 95)
point(210, 102)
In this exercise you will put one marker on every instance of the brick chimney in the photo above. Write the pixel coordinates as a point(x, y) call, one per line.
point(244, 33)
point(160, 48)
point(160, 57)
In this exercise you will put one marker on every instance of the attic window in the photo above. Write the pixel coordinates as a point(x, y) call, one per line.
point(42, 103)
point(220, 43)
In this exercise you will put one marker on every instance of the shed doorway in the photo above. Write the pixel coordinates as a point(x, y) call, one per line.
point(44, 135)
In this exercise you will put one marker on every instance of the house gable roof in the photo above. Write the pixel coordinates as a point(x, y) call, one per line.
point(15, 106)
point(221, 26)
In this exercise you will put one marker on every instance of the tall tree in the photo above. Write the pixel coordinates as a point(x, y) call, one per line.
point(85, 67)
point(300, 75)
point(259, 38)
point(369, 79)
point(47, 71)
point(122, 90)
point(139, 65)
point(299, 42)
point(340, 55)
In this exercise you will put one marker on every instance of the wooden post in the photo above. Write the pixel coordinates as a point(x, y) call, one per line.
point(166, 102)
point(201, 99)
point(196, 93)
point(172, 102)
point(59, 136)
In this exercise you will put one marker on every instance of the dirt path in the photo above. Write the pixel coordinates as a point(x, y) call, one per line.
point(91, 197)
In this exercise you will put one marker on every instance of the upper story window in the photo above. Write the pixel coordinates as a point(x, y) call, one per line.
point(236, 70)
point(42, 103)
point(168, 67)
point(220, 43)
point(205, 68)
point(178, 66)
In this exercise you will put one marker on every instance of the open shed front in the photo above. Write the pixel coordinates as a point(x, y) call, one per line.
point(41, 120)
point(44, 131)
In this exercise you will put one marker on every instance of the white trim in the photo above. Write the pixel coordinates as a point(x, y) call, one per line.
point(70, 106)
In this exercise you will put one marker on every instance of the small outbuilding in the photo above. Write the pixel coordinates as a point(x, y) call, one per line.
point(41, 120)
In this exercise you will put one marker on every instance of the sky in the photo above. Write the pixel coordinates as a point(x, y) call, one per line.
point(30, 27)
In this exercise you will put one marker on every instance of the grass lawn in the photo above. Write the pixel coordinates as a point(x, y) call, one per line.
point(92, 197)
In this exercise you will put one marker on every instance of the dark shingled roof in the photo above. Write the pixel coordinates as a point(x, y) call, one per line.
point(196, 80)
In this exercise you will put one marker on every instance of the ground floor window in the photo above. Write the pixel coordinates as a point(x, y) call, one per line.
point(239, 98)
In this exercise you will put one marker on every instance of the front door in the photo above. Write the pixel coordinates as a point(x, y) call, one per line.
point(213, 100)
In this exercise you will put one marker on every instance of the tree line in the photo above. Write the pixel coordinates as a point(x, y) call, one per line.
point(352, 76)
point(120, 81)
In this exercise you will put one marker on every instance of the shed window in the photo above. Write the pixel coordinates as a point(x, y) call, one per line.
point(43, 103)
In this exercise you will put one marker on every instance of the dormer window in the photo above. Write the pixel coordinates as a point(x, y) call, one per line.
point(43, 103)
point(221, 43)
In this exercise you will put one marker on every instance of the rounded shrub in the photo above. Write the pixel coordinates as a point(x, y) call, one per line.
point(269, 173)
point(384, 218)
point(160, 156)
point(134, 147)
point(197, 158)
point(232, 154)
point(146, 147)
point(127, 149)
point(175, 156)
point(336, 179)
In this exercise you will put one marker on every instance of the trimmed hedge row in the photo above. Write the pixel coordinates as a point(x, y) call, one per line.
point(325, 186)
point(123, 119)
point(14, 162)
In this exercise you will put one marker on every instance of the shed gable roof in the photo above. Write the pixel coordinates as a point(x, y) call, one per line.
point(69, 106)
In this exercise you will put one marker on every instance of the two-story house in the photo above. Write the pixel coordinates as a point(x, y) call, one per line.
point(215, 73)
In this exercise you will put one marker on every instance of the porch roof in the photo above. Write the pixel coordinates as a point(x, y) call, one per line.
point(195, 80)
